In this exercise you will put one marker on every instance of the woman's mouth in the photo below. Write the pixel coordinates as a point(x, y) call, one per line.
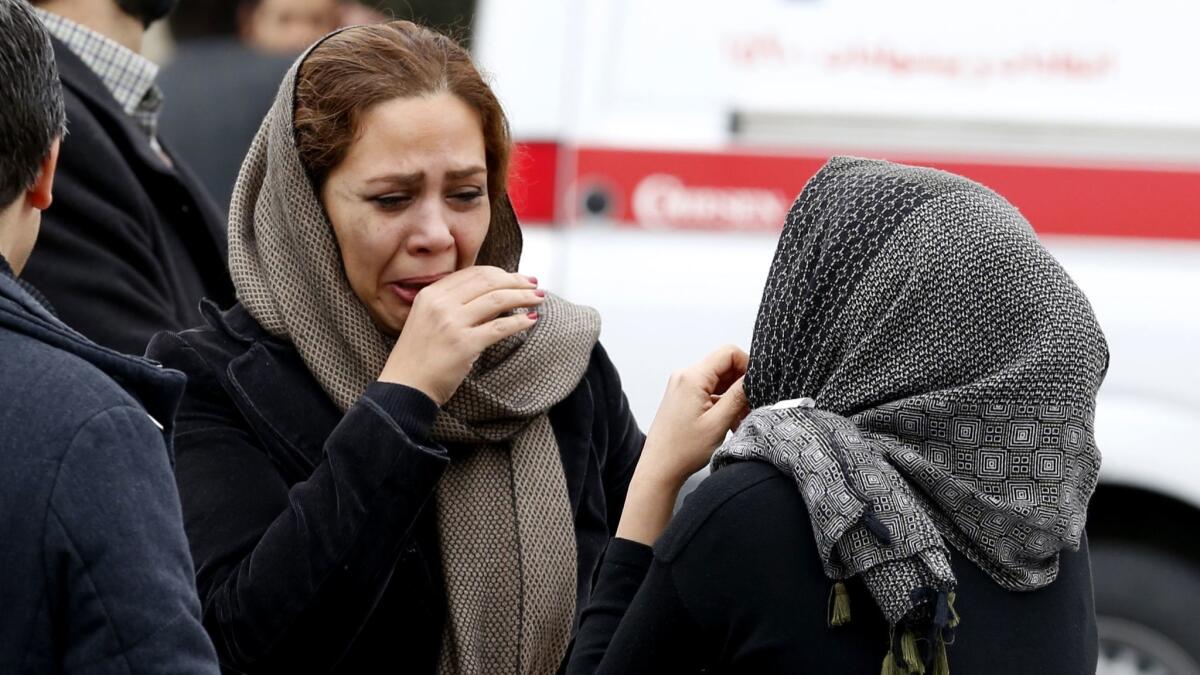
point(407, 289)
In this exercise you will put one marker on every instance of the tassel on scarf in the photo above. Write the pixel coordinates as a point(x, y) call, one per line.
point(909, 660)
point(904, 655)
point(912, 657)
point(941, 613)
point(839, 601)
point(893, 663)
point(945, 620)
point(876, 526)
point(941, 662)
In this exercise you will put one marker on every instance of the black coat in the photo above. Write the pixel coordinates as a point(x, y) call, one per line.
point(130, 244)
point(735, 585)
point(314, 533)
point(95, 574)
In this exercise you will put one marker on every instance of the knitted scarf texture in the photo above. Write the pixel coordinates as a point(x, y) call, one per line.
point(507, 539)
point(938, 372)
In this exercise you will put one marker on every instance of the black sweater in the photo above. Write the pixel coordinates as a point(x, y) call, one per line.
point(735, 585)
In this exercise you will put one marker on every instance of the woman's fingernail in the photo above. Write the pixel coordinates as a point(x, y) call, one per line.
point(533, 316)
point(532, 280)
point(540, 293)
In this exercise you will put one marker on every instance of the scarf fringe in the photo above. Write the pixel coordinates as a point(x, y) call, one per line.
point(909, 661)
point(904, 656)
point(839, 604)
point(941, 661)
point(912, 658)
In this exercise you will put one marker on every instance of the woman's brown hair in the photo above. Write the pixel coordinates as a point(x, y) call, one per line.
point(358, 68)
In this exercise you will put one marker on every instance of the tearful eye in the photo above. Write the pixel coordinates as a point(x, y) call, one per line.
point(467, 196)
point(389, 202)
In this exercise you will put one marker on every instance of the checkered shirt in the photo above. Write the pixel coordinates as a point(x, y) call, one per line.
point(129, 76)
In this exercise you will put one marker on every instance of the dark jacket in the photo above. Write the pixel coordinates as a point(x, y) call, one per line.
point(130, 245)
point(314, 533)
point(95, 575)
point(735, 585)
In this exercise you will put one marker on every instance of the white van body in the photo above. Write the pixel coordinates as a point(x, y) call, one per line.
point(661, 142)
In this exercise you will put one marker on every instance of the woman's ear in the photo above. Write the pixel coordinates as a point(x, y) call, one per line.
point(40, 193)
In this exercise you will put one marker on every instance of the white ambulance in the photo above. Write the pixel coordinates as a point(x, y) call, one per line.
point(662, 141)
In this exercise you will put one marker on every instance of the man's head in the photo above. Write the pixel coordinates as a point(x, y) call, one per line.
point(121, 20)
point(204, 19)
point(147, 11)
point(32, 120)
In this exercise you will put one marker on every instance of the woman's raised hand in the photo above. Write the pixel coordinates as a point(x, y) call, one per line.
point(701, 404)
point(452, 321)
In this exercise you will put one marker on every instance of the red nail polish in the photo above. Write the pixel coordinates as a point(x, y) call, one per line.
point(532, 280)
point(540, 293)
point(533, 316)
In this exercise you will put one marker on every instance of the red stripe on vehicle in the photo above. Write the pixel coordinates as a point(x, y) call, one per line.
point(748, 191)
point(532, 181)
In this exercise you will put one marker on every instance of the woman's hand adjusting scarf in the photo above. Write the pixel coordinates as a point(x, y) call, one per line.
point(701, 404)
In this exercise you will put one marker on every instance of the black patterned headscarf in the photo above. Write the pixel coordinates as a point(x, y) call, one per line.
point(937, 370)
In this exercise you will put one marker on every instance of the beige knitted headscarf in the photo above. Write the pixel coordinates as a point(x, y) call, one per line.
point(505, 522)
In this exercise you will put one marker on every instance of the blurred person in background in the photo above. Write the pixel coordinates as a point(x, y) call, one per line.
point(353, 13)
point(286, 26)
point(132, 242)
point(95, 574)
point(217, 90)
point(923, 377)
point(230, 51)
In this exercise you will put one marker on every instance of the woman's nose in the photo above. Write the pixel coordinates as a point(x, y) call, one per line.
point(430, 233)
